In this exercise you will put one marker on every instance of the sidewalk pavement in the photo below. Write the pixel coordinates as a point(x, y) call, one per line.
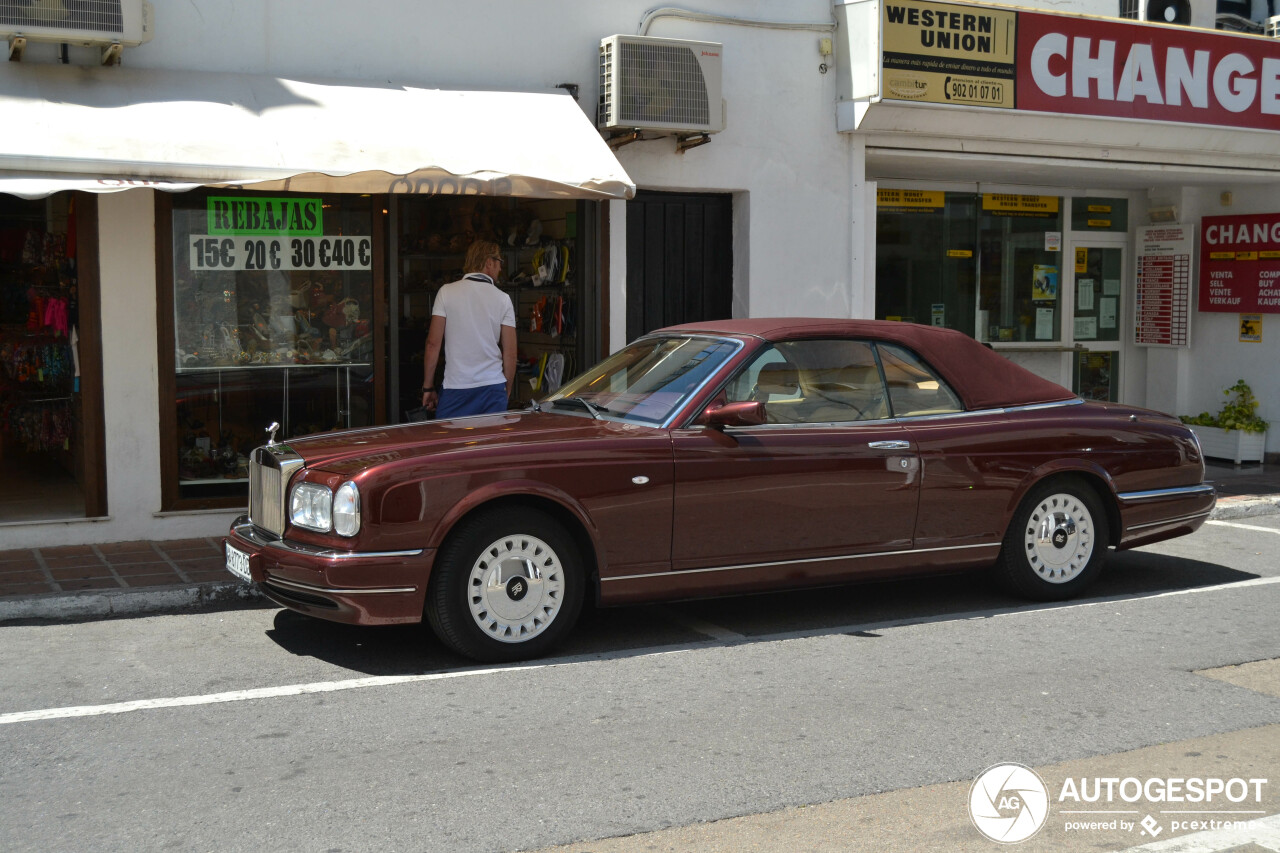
point(79, 582)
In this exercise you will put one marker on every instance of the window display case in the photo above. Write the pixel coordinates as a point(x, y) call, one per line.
point(272, 322)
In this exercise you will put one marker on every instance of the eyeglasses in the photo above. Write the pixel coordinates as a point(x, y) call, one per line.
point(495, 258)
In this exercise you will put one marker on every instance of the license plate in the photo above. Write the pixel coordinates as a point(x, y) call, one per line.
point(238, 563)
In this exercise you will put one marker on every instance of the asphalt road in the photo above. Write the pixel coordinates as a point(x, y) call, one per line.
point(256, 729)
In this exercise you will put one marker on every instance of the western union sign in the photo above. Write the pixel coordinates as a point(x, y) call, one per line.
point(947, 54)
point(908, 201)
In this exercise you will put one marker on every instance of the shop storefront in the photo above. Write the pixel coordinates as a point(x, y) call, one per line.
point(50, 404)
point(311, 312)
point(1041, 181)
point(276, 292)
point(1043, 278)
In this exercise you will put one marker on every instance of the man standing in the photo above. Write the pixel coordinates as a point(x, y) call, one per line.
point(480, 344)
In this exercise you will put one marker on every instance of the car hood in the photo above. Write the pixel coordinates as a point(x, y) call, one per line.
point(349, 451)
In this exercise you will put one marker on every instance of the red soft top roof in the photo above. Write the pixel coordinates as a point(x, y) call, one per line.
point(982, 377)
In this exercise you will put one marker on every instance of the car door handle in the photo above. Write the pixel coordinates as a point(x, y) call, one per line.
point(889, 445)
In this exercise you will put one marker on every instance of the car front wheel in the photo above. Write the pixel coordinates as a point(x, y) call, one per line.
point(1056, 543)
point(507, 585)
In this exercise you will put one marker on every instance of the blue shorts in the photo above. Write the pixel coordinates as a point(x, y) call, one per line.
point(485, 400)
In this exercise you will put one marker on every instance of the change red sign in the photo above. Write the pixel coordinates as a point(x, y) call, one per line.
point(1086, 66)
point(1240, 264)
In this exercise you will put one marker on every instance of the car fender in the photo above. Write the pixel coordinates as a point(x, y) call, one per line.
point(490, 492)
point(1058, 467)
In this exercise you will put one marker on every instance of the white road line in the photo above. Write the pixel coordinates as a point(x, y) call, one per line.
point(720, 636)
point(1262, 833)
point(1244, 526)
point(243, 695)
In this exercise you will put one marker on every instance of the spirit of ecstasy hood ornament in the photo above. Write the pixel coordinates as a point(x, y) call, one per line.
point(271, 433)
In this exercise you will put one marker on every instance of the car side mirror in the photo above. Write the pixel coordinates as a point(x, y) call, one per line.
point(745, 413)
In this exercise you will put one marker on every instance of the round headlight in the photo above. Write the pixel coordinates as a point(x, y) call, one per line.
point(346, 510)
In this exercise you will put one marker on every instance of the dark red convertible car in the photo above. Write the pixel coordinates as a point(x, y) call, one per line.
point(709, 459)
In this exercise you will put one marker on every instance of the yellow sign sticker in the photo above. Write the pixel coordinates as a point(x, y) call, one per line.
point(918, 200)
point(1039, 205)
point(1251, 328)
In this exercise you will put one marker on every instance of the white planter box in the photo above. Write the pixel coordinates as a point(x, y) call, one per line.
point(1234, 444)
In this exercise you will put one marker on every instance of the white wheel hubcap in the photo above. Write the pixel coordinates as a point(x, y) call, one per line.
point(516, 588)
point(1059, 538)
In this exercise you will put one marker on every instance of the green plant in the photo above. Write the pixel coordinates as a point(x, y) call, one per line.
point(1236, 413)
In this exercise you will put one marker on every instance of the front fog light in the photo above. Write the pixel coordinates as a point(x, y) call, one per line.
point(346, 510)
point(311, 506)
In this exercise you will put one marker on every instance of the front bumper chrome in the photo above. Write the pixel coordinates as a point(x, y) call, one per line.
point(249, 533)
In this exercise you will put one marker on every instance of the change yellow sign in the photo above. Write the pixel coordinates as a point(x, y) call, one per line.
point(944, 53)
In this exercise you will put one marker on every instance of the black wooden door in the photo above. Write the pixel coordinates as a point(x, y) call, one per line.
point(679, 260)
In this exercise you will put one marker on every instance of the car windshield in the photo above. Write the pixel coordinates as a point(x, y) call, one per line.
point(647, 381)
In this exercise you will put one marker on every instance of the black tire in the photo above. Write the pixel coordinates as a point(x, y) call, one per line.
point(507, 585)
point(1056, 543)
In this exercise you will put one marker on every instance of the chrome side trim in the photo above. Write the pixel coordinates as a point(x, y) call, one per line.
point(1165, 521)
point(249, 533)
point(1031, 407)
point(322, 590)
point(1165, 494)
point(677, 572)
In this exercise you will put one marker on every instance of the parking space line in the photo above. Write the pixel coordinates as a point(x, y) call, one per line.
point(1244, 526)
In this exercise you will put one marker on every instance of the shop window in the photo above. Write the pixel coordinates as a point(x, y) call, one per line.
point(50, 435)
point(272, 306)
point(545, 272)
point(926, 257)
point(1021, 273)
point(1097, 298)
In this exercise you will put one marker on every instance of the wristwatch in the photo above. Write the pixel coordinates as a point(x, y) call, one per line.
point(427, 389)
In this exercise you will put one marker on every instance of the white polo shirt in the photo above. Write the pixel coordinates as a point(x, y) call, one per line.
point(475, 311)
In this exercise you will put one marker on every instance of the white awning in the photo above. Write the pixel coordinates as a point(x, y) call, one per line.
point(111, 129)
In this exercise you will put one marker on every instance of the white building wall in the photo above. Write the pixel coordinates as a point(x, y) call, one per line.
point(792, 176)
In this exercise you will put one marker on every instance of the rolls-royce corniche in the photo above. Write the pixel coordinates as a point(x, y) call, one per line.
point(716, 458)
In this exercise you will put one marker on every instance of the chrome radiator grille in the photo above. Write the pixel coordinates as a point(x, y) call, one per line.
point(270, 469)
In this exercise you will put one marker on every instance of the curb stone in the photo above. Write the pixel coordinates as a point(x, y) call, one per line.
point(1245, 507)
point(108, 604)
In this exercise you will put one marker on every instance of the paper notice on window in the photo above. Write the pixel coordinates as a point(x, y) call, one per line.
point(1084, 294)
point(1107, 312)
point(1044, 324)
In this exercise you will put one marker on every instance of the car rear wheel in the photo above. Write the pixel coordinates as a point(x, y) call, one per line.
point(1056, 543)
point(507, 585)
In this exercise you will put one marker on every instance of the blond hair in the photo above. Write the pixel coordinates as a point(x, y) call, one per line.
point(477, 253)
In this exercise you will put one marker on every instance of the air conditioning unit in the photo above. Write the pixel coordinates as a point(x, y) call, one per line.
point(127, 23)
point(657, 84)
